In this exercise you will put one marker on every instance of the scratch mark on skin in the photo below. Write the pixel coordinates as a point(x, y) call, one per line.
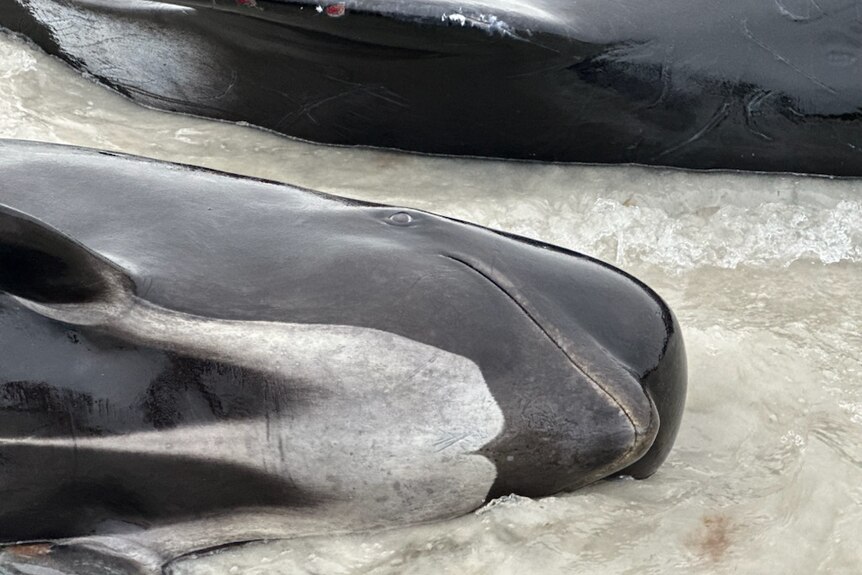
point(750, 35)
point(446, 442)
point(234, 76)
point(409, 290)
point(281, 93)
point(374, 92)
point(665, 85)
point(421, 368)
point(101, 41)
point(307, 109)
point(796, 113)
point(799, 17)
point(751, 108)
point(362, 117)
point(381, 92)
point(714, 122)
point(817, 6)
point(542, 70)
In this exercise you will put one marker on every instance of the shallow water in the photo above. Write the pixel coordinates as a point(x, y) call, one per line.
point(763, 272)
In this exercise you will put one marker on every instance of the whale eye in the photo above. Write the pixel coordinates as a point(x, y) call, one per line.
point(401, 219)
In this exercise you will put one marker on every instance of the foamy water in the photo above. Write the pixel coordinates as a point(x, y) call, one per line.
point(763, 272)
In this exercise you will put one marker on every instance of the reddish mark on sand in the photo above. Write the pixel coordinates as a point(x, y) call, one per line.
point(715, 537)
point(250, 3)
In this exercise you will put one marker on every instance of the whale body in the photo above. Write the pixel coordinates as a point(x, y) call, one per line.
point(691, 83)
point(190, 359)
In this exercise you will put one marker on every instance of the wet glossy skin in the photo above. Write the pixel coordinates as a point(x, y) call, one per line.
point(137, 300)
point(700, 84)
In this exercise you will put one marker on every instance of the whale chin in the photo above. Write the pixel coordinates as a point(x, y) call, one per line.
point(618, 363)
point(666, 386)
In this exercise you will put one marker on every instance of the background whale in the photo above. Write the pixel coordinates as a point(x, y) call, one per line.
point(193, 359)
point(698, 84)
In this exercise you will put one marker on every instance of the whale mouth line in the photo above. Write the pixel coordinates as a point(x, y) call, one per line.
point(214, 549)
point(532, 316)
point(488, 277)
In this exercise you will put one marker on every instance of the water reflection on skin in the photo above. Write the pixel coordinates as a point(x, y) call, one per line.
point(806, 49)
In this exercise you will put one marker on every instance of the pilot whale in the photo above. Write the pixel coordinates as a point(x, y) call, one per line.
point(192, 359)
point(736, 84)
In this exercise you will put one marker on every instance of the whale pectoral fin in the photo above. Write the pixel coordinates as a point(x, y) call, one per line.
point(73, 558)
point(40, 264)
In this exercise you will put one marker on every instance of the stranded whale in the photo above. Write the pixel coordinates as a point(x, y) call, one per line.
point(736, 84)
point(192, 359)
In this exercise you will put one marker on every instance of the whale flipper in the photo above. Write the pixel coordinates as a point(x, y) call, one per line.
point(55, 274)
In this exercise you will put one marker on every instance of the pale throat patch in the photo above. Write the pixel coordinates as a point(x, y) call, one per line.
point(391, 428)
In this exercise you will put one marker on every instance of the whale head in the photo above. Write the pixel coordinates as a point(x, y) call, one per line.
point(585, 363)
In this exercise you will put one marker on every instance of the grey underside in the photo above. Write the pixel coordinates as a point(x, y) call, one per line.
point(385, 423)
